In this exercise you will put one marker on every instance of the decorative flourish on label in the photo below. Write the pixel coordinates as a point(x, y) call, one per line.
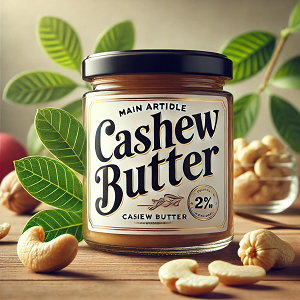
point(166, 201)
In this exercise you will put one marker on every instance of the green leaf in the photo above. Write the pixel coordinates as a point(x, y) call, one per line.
point(57, 222)
point(250, 52)
point(118, 37)
point(288, 75)
point(245, 111)
point(63, 135)
point(75, 109)
point(60, 42)
point(51, 182)
point(294, 21)
point(286, 119)
point(37, 87)
point(34, 144)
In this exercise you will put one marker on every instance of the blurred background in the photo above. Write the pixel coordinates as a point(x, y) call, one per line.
point(159, 24)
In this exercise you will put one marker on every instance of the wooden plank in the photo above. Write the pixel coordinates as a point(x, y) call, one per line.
point(139, 290)
point(108, 266)
point(93, 264)
point(108, 276)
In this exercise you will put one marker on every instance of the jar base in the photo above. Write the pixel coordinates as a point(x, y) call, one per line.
point(191, 250)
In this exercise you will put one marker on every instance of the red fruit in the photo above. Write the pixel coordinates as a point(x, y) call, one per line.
point(10, 150)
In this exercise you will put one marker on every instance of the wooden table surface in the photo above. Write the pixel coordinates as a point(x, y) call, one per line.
point(98, 275)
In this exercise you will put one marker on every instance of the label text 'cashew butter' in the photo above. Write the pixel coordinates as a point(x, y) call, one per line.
point(157, 169)
point(159, 136)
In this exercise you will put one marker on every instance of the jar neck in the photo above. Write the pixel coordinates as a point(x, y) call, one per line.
point(158, 83)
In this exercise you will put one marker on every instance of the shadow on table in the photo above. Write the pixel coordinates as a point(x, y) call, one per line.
point(68, 274)
point(252, 287)
point(7, 243)
point(256, 287)
point(291, 211)
point(291, 273)
point(214, 295)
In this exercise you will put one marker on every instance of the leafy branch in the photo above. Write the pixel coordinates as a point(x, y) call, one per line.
point(54, 181)
point(61, 44)
point(250, 53)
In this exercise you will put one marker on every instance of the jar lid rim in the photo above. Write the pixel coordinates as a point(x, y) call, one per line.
point(156, 61)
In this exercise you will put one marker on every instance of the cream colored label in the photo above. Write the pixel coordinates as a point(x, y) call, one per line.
point(157, 165)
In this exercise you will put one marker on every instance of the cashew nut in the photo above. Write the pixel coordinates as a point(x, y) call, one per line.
point(272, 158)
point(237, 168)
point(46, 257)
point(14, 197)
point(264, 195)
point(4, 229)
point(282, 190)
point(239, 144)
point(265, 249)
point(273, 143)
point(179, 275)
point(250, 153)
point(246, 184)
point(230, 274)
point(263, 167)
point(285, 159)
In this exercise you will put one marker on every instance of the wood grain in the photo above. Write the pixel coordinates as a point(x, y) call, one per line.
point(99, 275)
point(139, 290)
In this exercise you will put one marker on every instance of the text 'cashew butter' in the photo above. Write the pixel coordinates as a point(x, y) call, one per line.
point(159, 152)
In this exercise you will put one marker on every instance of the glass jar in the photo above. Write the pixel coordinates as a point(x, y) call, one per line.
point(267, 185)
point(159, 152)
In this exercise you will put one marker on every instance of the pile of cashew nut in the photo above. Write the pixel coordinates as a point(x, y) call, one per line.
point(180, 275)
point(260, 250)
point(261, 171)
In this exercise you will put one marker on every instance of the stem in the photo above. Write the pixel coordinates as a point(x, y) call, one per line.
point(272, 64)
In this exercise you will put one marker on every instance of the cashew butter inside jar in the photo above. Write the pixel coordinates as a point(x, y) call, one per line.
point(159, 152)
